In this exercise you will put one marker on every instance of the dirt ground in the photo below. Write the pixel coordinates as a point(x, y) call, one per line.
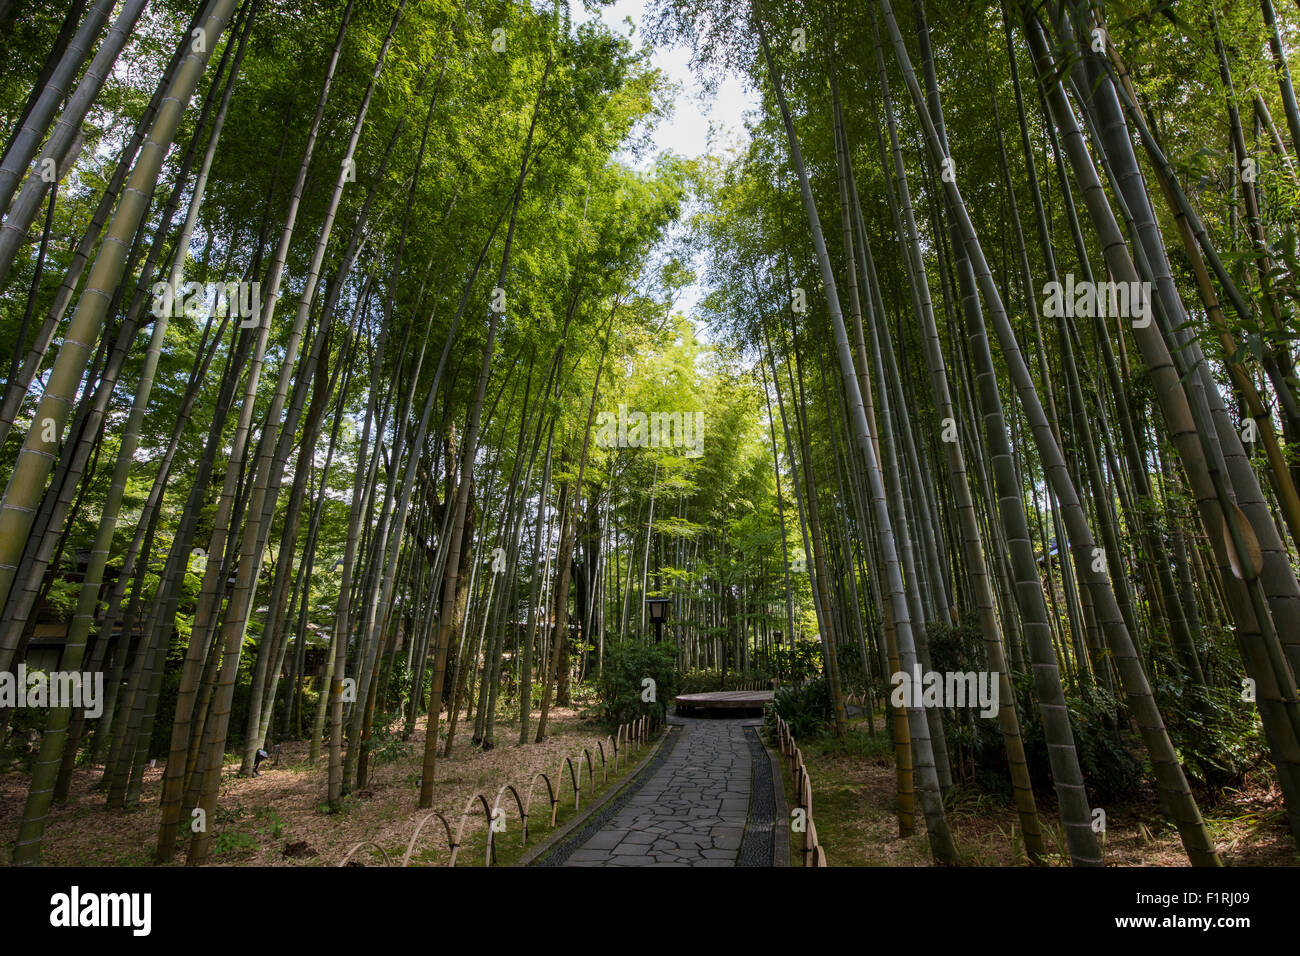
point(259, 820)
point(278, 818)
point(854, 802)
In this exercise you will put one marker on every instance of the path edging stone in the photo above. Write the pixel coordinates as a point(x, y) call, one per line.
point(765, 833)
point(781, 813)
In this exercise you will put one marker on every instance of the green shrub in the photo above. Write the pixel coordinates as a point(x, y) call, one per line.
point(1218, 737)
point(806, 709)
point(386, 744)
point(622, 682)
point(1105, 744)
point(1218, 740)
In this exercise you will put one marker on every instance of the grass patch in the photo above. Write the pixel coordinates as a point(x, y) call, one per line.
point(853, 800)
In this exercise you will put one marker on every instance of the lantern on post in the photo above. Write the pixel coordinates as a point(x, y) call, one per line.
point(658, 608)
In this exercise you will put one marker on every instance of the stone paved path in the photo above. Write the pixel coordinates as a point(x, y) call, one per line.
point(691, 812)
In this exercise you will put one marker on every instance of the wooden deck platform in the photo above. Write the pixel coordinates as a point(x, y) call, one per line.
point(724, 703)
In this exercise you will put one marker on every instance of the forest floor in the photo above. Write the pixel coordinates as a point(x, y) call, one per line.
point(854, 803)
point(278, 818)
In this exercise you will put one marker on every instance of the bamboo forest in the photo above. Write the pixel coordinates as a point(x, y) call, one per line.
point(585, 433)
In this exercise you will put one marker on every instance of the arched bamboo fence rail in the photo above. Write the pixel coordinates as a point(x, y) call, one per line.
point(410, 847)
point(382, 852)
point(624, 742)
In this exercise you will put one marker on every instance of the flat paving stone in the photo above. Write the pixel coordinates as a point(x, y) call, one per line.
point(605, 840)
point(629, 849)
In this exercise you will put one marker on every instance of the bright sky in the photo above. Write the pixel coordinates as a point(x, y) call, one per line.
point(687, 133)
point(701, 122)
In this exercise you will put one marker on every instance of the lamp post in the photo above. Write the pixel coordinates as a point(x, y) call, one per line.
point(658, 607)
